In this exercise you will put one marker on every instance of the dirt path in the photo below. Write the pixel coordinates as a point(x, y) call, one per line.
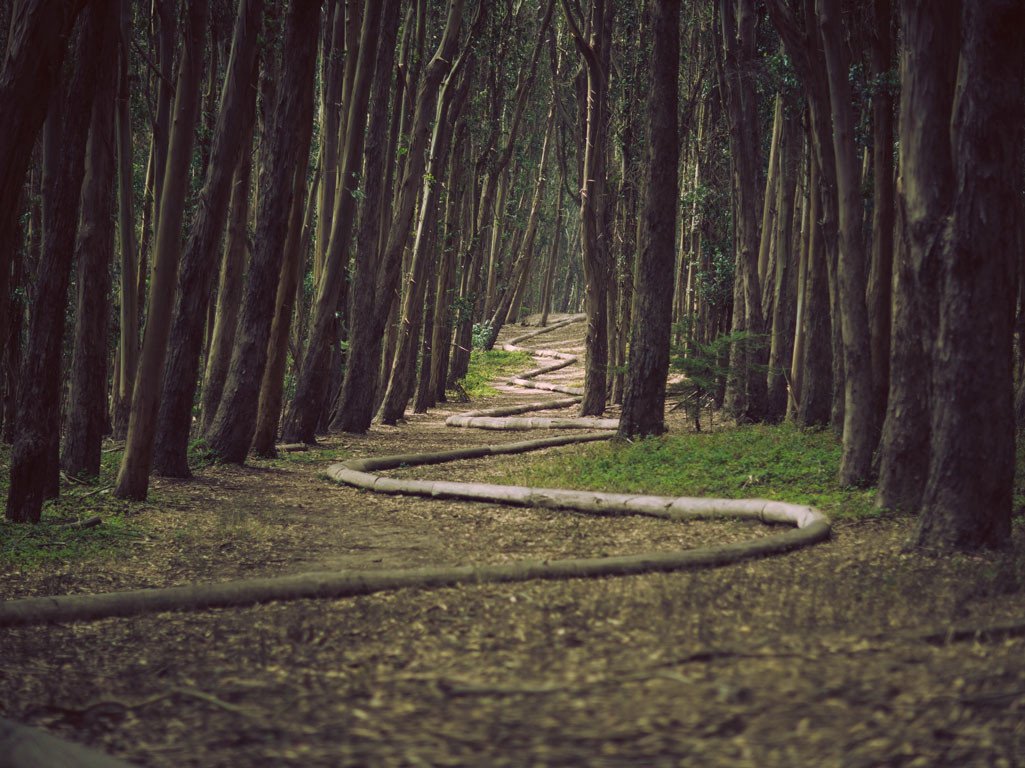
point(799, 660)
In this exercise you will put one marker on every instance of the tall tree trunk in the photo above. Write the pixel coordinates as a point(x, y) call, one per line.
point(229, 291)
point(746, 358)
point(813, 408)
point(448, 106)
point(128, 343)
point(236, 115)
point(354, 408)
point(231, 433)
point(273, 385)
point(644, 399)
point(311, 392)
point(784, 305)
point(929, 62)
point(861, 416)
point(33, 460)
point(967, 501)
point(94, 251)
point(133, 476)
point(880, 279)
point(595, 51)
point(36, 48)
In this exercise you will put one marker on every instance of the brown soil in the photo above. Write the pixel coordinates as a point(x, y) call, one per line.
point(817, 658)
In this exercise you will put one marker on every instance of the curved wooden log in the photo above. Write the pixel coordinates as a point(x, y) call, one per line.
point(809, 526)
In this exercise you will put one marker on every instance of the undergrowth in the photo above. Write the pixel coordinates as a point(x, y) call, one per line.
point(770, 462)
point(488, 365)
point(53, 541)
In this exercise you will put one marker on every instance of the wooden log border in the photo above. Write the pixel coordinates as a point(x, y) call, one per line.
point(809, 526)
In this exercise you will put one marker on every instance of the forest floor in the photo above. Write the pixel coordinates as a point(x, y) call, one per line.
point(830, 656)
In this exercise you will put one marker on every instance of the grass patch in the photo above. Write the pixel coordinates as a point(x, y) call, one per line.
point(52, 541)
point(312, 455)
point(488, 365)
point(770, 462)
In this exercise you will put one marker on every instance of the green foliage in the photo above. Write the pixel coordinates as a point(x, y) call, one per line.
point(52, 541)
point(482, 333)
point(486, 366)
point(770, 462)
point(705, 366)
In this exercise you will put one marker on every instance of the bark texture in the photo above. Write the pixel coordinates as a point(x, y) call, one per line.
point(234, 119)
point(967, 501)
point(34, 456)
point(133, 477)
point(231, 433)
point(644, 398)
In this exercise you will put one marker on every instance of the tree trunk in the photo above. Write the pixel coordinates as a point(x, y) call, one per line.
point(311, 393)
point(784, 305)
point(968, 496)
point(94, 251)
point(746, 357)
point(273, 385)
point(861, 416)
point(927, 184)
point(33, 460)
point(595, 51)
point(229, 292)
point(234, 424)
point(128, 343)
point(133, 477)
point(813, 408)
point(354, 408)
point(644, 398)
point(35, 53)
point(236, 115)
point(880, 279)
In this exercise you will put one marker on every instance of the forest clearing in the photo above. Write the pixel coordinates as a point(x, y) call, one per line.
point(548, 382)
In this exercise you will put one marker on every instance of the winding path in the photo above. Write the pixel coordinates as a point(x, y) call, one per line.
point(807, 525)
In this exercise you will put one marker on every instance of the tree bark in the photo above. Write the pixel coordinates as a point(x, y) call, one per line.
point(33, 460)
point(644, 398)
point(880, 280)
point(234, 425)
point(229, 291)
point(861, 416)
point(133, 477)
point(747, 380)
point(968, 497)
point(304, 412)
point(94, 251)
point(929, 62)
point(35, 54)
point(354, 408)
point(236, 115)
point(128, 343)
point(595, 52)
point(272, 388)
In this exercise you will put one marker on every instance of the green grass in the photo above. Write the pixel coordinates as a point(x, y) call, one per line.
point(50, 543)
point(769, 462)
point(487, 366)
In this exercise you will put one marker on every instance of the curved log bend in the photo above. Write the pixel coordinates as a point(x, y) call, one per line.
point(809, 526)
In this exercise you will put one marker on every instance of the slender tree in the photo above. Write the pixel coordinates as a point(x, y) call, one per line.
point(237, 111)
point(33, 457)
point(133, 476)
point(231, 432)
point(94, 250)
point(644, 396)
